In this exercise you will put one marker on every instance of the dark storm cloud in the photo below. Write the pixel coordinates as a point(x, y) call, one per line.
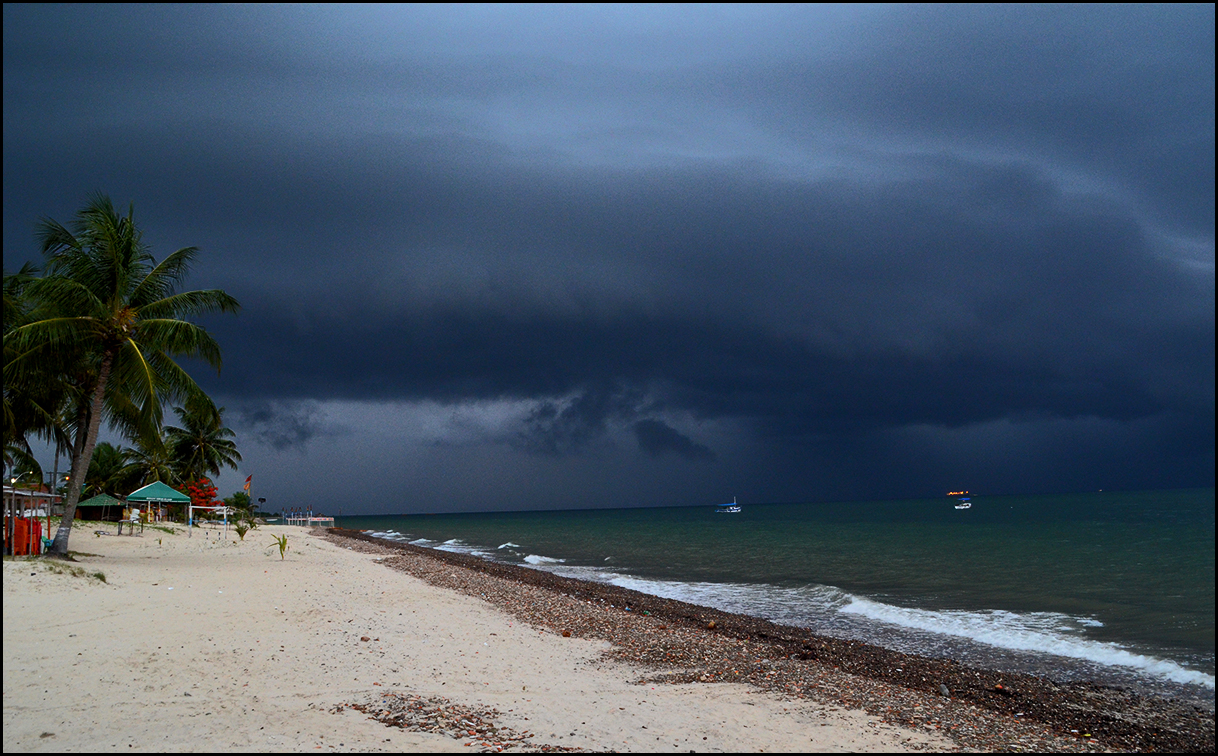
point(827, 226)
point(971, 293)
point(657, 438)
point(283, 426)
point(554, 429)
point(965, 292)
point(1119, 91)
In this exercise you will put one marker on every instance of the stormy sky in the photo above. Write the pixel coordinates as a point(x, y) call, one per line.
point(561, 257)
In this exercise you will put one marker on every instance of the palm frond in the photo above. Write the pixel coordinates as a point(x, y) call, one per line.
point(55, 241)
point(181, 339)
point(175, 383)
point(164, 278)
point(189, 303)
point(60, 295)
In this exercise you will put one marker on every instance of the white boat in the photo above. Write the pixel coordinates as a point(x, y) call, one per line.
point(729, 508)
point(964, 504)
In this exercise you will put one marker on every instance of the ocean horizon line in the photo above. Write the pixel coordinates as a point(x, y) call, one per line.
point(811, 502)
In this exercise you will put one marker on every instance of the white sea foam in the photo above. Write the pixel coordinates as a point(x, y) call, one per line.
point(580, 572)
point(389, 535)
point(789, 606)
point(509, 545)
point(1043, 632)
point(535, 559)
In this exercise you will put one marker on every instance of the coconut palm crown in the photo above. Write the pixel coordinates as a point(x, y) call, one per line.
point(107, 302)
point(202, 445)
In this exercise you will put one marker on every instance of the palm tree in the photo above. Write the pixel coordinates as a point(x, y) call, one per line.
point(109, 471)
point(16, 313)
point(202, 445)
point(106, 301)
point(19, 460)
point(150, 461)
point(30, 405)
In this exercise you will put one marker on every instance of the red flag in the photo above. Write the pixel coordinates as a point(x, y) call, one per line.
point(247, 483)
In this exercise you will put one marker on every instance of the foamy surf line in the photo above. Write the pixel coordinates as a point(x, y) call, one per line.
point(1046, 633)
point(1040, 633)
point(537, 560)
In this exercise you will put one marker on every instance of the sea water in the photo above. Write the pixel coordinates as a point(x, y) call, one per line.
point(1114, 587)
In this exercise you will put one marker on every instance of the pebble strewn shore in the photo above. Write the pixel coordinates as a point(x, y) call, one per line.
point(478, 727)
point(673, 641)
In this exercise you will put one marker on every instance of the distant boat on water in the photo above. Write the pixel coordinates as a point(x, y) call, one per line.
point(964, 504)
point(729, 508)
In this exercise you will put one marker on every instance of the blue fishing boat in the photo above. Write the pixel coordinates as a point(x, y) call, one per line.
point(729, 508)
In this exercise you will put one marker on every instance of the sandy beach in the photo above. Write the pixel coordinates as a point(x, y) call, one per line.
point(210, 643)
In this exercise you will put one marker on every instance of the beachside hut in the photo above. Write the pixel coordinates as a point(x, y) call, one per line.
point(103, 507)
point(24, 502)
point(159, 494)
point(24, 506)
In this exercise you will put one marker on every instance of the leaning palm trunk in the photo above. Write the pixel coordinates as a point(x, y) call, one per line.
point(105, 297)
point(80, 464)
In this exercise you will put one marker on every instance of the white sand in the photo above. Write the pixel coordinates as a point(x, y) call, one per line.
point(200, 644)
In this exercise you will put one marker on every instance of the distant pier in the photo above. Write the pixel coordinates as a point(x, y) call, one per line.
point(309, 521)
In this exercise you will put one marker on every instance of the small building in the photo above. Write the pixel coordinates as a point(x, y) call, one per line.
point(102, 507)
point(23, 502)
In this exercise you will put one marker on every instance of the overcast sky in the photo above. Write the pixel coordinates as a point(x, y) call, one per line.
point(562, 257)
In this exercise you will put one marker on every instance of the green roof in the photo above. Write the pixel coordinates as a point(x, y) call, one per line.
point(158, 491)
point(101, 500)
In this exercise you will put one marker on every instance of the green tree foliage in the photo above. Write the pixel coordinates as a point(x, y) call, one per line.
point(202, 445)
point(20, 464)
point(150, 461)
point(239, 500)
point(106, 322)
point(22, 470)
point(32, 397)
point(109, 472)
